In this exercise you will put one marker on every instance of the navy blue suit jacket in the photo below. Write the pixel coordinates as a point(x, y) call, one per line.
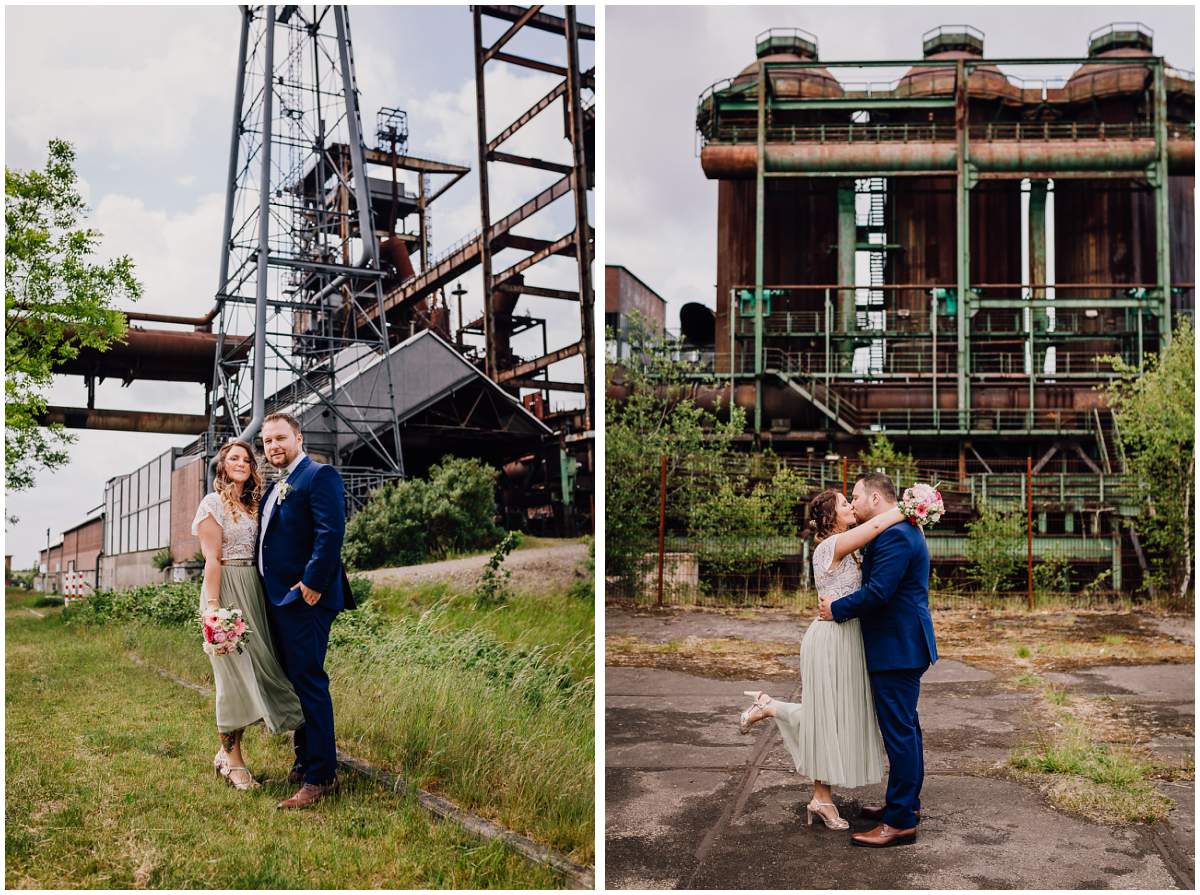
point(303, 541)
point(893, 602)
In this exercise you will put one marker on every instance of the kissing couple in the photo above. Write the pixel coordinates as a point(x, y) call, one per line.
point(274, 554)
point(861, 661)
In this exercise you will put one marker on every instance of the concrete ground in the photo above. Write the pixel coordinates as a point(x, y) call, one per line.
point(692, 804)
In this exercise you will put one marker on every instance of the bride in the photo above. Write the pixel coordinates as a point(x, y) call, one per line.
point(832, 733)
point(251, 686)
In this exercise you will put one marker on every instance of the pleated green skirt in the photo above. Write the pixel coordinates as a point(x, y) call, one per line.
point(251, 686)
point(832, 733)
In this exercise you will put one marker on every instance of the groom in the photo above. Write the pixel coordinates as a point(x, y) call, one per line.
point(897, 630)
point(302, 517)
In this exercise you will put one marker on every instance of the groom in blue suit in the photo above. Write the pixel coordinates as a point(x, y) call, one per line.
point(892, 606)
point(302, 518)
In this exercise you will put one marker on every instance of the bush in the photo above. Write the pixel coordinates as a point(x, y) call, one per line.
point(994, 546)
point(1052, 576)
point(167, 604)
point(742, 532)
point(492, 589)
point(162, 559)
point(414, 520)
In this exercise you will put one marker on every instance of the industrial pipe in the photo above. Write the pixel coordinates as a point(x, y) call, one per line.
point(125, 420)
point(201, 323)
point(740, 162)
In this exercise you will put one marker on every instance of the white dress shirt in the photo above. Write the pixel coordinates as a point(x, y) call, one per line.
point(269, 507)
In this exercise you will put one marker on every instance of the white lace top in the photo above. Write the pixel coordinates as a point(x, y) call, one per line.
point(238, 535)
point(843, 578)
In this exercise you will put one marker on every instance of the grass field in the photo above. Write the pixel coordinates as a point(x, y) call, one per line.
point(562, 623)
point(109, 765)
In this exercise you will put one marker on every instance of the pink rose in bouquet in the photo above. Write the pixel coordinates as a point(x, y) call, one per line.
point(225, 632)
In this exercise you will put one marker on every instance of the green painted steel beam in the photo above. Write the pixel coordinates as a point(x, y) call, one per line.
point(954, 546)
point(1062, 303)
point(962, 211)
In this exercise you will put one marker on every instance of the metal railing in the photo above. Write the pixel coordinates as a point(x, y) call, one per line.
point(1075, 557)
point(909, 132)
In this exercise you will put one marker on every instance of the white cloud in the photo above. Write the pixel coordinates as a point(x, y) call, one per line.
point(175, 255)
point(139, 84)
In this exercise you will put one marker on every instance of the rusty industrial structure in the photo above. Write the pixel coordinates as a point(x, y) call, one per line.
point(335, 309)
point(882, 254)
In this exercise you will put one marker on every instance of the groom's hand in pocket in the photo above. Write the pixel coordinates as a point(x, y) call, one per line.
point(310, 596)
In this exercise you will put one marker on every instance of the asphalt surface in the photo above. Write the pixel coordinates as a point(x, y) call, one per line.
point(692, 804)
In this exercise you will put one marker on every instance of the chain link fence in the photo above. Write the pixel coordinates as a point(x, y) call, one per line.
point(729, 533)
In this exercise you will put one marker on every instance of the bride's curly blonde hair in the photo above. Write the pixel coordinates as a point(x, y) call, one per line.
point(236, 498)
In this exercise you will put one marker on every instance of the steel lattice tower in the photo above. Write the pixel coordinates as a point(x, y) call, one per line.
point(300, 274)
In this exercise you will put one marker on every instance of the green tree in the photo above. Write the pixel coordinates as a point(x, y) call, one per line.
point(56, 301)
point(1156, 424)
point(882, 454)
point(657, 415)
point(995, 542)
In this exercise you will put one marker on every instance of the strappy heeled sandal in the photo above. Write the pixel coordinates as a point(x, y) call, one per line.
point(837, 823)
point(747, 719)
point(251, 783)
point(221, 763)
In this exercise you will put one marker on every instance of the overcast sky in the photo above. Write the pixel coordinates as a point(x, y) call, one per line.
point(661, 212)
point(146, 93)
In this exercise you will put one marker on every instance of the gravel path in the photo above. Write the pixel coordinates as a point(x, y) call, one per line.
point(534, 571)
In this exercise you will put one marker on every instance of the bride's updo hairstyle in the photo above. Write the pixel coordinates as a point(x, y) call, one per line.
point(247, 501)
point(822, 515)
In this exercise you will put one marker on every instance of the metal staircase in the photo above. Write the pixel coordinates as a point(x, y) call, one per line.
point(871, 317)
point(818, 393)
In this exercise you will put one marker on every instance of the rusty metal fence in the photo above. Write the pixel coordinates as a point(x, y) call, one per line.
point(731, 534)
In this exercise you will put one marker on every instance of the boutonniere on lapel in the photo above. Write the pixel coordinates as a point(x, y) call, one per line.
point(284, 490)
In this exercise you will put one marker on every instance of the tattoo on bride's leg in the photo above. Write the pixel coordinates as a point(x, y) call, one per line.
point(230, 740)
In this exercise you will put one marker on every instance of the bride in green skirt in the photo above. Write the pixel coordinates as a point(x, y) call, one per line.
point(251, 685)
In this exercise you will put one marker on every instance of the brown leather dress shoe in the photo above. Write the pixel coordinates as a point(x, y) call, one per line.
point(884, 836)
point(309, 794)
point(875, 812)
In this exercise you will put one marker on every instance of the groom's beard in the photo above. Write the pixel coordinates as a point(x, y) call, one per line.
point(868, 515)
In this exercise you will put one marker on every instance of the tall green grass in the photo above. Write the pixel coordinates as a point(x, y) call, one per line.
point(453, 699)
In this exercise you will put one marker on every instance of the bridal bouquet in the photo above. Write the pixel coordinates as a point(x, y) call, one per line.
point(922, 504)
point(225, 631)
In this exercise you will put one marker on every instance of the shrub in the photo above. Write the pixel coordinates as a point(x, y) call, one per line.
point(493, 589)
point(414, 520)
point(1052, 575)
point(994, 546)
point(741, 532)
point(162, 559)
point(168, 604)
